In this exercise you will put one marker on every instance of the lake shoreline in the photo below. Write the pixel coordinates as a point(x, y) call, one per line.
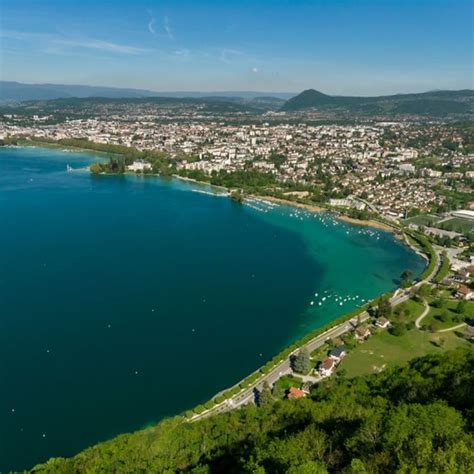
point(318, 209)
point(137, 372)
point(286, 202)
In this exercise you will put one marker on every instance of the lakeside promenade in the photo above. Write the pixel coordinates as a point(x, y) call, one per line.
point(248, 394)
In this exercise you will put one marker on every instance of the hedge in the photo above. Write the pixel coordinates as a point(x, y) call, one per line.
point(427, 248)
point(443, 269)
point(199, 409)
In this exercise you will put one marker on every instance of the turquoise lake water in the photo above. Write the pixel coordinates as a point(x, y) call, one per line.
point(127, 299)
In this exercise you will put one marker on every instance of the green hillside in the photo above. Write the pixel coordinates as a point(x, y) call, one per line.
point(438, 103)
point(418, 418)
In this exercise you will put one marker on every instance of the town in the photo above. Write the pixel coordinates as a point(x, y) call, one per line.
point(413, 177)
point(397, 169)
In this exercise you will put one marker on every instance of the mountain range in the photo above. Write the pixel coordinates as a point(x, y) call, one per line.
point(435, 103)
point(11, 91)
point(427, 104)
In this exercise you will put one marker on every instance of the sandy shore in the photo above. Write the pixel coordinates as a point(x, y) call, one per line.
point(367, 223)
point(342, 217)
point(195, 181)
point(286, 202)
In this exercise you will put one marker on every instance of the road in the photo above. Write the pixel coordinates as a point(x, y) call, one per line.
point(453, 328)
point(422, 315)
point(284, 367)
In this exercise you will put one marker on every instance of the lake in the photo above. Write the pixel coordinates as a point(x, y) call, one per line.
point(128, 299)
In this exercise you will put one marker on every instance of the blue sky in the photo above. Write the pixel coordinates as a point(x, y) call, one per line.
point(360, 47)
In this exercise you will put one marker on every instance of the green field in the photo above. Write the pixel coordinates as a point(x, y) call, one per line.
point(443, 269)
point(383, 349)
point(453, 318)
point(411, 308)
point(456, 224)
point(288, 381)
point(422, 219)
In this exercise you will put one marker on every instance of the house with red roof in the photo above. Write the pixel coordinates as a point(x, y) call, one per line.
point(294, 392)
point(326, 367)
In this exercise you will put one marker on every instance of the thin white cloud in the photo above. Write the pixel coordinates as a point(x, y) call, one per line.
point(183, 52)
point(227, 54)
point(100, 45)
point(167, 28)
point(255, 70)
point(55, 42)
point(165, 31)
point(151, 26)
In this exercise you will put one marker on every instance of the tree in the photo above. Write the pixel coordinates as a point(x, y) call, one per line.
point(384, 308)
point(309, 467)
point(237, 196)
point(398, 329)
point(265, 397)
point(357, 467)
point(277, 391)
point(439, 302)
point(444, 316)
point(461, 307)
point(302, 361)
point(424, 290)
point(406, 283)
point(406, 275)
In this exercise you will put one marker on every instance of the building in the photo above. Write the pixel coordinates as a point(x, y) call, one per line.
point(469, 332)
point(338, 353)
point(465, 293)
point(139, 166)
point(407, 168)
point(361, 333)
point(382, 322)
point(326, 367)
point(294, 392)
point(461, 276)
point(463, 214)
point(347, 202)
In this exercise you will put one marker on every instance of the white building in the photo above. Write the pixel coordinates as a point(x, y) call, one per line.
point(139, 166)
point(463, 214)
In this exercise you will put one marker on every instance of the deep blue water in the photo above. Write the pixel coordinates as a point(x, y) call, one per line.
point(127, 299)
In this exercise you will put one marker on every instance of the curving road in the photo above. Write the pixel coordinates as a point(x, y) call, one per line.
point(284, 367)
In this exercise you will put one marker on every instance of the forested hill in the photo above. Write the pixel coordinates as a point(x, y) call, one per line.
point(436, 103)
point(419, 418)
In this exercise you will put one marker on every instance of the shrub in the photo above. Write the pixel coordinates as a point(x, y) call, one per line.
point(199, 409)
point(210, 404)
point(398, 329)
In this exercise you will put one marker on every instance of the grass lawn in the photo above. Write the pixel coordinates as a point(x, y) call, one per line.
point(422, 219)
point(456, 224)
point(413, 242)
point(320, 352)
point(288, 381)
point(453, 317)
point(413, 308)
point(383, 349)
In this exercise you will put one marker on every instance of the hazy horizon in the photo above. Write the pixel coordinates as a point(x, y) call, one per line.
point(339, 48)
point(214, 91)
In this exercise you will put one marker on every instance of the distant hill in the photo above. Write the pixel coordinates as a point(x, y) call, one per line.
point(436, 103)
point(85, 107)
point(19, 92)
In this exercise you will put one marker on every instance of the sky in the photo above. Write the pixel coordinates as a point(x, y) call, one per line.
point(357, 47)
